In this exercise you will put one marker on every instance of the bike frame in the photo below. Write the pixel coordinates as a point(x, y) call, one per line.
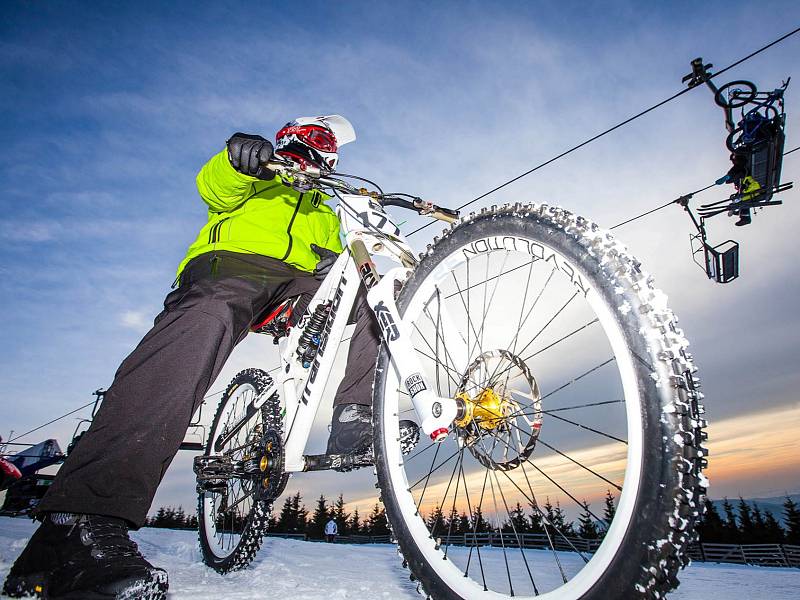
point(368, 231)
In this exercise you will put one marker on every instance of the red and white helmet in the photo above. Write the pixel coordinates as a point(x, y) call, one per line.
point(314, 140)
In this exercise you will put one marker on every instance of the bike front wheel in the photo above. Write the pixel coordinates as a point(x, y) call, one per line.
point(575, 471)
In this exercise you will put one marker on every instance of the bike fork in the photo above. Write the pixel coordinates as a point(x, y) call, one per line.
point(435, 412)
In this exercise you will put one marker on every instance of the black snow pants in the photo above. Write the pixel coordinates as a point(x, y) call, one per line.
point(116, 467)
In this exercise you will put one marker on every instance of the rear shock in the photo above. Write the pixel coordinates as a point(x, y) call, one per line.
point(309, 341)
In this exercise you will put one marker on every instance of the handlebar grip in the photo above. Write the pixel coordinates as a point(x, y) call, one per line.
point(393, 201)
point(445, 214)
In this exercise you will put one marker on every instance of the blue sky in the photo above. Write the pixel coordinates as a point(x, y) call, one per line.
point(110, 111)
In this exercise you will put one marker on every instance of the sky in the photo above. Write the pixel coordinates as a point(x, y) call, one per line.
point(110, 111)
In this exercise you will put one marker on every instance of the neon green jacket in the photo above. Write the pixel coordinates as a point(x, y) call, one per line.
point(253, 216)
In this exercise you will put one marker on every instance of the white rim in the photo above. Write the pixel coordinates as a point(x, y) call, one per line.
point(224, 544)
point(453, 577)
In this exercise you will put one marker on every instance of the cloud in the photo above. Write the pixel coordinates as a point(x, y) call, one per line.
point(139, 321)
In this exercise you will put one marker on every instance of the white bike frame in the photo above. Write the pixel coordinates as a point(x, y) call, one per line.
point(368, 231)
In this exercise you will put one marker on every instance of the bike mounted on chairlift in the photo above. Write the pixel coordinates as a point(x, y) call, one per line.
point(756, 143)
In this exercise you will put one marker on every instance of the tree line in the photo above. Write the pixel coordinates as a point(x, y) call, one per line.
point(740, 524)
point(542, 519)
point(746, 524)
point(172, 518)
point(295, 518)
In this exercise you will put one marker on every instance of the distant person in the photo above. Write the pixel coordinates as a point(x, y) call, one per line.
point(331, 531)
point(747, 187)
point(264, 242)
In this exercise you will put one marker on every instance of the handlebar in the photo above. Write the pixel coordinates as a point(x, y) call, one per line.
point(422, 207)
point(314, 177)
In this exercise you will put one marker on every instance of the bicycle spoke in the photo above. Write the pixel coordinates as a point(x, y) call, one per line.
point(581, 376)
point(581, 465)
point(588, 405)
point(516, 535)
point(491, 278)
point(433, 470)
point(446, 492)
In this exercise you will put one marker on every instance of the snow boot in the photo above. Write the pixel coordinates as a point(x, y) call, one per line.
point(351, 431)
point(84, 556)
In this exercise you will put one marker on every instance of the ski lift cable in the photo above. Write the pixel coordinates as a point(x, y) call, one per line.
point(685, 197)
point(88, 404)
point(610, 129)
point(670, 203)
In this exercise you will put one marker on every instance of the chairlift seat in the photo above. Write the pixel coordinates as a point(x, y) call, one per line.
point(766, 159)
point(720, 262)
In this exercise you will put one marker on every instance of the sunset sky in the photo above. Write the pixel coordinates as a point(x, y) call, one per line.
point(110, 110)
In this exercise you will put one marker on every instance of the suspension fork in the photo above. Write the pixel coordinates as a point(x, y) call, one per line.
point(435, 412)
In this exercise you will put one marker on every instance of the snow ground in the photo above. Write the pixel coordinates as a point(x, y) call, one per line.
point(290, 569)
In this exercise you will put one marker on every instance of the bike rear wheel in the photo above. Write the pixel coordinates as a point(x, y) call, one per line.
point(579, 387)
point(232, 513)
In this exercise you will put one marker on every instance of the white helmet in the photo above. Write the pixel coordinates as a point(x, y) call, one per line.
point(314, 140)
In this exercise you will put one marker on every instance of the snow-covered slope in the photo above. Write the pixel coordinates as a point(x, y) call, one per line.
point(304, 571)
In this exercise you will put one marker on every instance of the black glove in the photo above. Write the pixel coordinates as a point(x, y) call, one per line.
point(327, 258)
point(248, 153)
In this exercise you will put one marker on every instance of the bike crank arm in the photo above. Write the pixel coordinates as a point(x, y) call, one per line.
point(436, 413)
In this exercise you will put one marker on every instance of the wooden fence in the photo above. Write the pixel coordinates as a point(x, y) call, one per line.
point(766, 555)
point(525, 540)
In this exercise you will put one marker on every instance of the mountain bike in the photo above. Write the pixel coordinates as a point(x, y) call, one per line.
point(762, 121)
point(543, 368)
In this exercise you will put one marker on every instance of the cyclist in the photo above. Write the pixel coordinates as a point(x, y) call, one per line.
point(264, 242)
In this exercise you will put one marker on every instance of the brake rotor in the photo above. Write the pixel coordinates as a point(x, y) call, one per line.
point(502, 416)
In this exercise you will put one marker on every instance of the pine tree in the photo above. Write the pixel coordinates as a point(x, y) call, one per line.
point(746, 525)
point(517, 521)
point(712, 528)
point(791, 516)
point(535, 520)
point(453, 523)
point(437, 524)
point(609, 510)
point(316, 527)
point(300, 513)
point(773, 532)
point(731, 528)
point(479, 524)
point(557, 519)
point(759, 527)
point(287, 518)
point(586, 525)
point(354, 526)
point(341, 516)
point(160, 518)
point(180, 518)
point(376, 523)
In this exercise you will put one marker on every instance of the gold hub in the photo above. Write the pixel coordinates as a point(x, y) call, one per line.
point(487, 409)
